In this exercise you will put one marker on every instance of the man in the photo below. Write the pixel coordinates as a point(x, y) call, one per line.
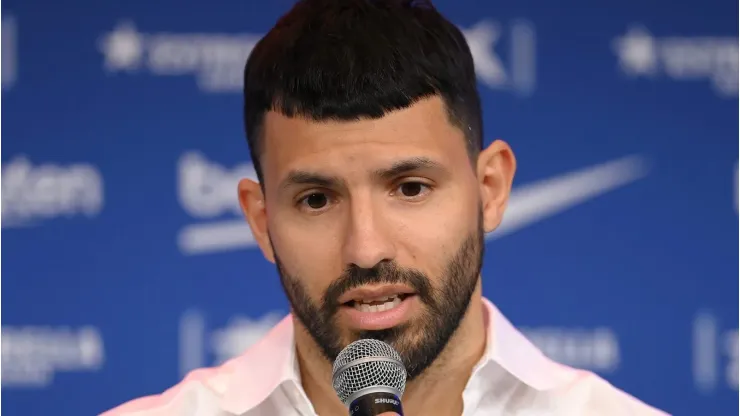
point(374, 194)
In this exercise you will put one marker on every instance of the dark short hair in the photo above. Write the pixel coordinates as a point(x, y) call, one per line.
point(353, 59)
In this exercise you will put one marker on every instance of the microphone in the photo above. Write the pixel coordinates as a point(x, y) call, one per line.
point(369, 378)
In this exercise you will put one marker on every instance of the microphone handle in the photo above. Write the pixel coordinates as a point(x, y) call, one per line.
point(376, 404)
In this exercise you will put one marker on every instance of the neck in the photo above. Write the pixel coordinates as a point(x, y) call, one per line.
point(438, 391)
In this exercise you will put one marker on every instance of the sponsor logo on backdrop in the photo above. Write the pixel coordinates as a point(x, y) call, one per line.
point(207, 192)
point(520, 73)
point(32, 355)
point(715, 59)
point(594, 349)
point(33, 193)
point(9, 59)
point(715, 350)
point(217, 60)
point(203, 347)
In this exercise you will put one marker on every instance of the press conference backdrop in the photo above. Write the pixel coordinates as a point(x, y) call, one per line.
point(126, 261)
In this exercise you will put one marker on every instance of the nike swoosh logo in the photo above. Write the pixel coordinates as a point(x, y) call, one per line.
point(537, 201)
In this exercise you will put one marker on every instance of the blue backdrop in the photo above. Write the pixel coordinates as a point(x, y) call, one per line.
point(126, 262)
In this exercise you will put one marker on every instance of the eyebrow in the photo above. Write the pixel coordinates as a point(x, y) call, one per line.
point(415, 164)
point(401, 167)
point(301, 177)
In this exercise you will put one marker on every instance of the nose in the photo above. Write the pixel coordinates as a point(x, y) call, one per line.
point(368, 239)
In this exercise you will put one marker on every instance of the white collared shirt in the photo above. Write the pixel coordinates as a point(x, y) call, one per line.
point(512, 378)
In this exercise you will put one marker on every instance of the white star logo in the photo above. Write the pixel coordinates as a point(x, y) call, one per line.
point(123, 48)
point(637, 51)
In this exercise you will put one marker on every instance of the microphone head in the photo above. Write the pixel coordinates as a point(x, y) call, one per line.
point(368, 365)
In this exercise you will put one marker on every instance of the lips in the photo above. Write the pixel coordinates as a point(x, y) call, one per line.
point(370, 294)
point(377, 305)
point(375, 308)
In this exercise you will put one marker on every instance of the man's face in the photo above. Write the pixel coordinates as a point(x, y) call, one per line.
point(375, 227)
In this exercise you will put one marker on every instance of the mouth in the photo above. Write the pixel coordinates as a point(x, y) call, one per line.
point(379, 304)
point(378, 308)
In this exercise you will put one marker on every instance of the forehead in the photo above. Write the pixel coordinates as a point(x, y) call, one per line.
point(422, 129)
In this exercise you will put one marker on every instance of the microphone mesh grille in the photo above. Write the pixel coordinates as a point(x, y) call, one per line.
point(370, 372)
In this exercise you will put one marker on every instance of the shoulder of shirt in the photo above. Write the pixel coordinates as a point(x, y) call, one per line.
point(213, 389)
point(201, 385)
point(590, 394)
point(570, 390)
point(230, 386)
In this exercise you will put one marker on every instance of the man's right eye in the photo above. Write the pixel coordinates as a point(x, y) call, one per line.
point(315, 200)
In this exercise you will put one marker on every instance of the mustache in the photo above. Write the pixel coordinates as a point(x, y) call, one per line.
point(388, 272)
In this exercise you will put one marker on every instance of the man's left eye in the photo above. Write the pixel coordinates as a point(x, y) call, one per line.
point(412, 189)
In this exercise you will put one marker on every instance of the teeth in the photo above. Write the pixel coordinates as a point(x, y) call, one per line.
point(388, 303)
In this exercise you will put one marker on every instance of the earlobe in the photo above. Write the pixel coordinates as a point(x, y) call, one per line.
point(252, 201)
point(496, 168)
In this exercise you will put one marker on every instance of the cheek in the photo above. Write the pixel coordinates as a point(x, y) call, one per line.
point(307, 255)
point(433, 234)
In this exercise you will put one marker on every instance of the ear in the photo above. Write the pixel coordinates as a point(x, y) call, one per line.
point(252, 201)
point(496, 167)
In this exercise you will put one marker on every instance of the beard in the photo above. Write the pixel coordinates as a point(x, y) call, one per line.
point(418, 341)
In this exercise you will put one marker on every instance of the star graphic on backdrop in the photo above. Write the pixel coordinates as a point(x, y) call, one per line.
point(123, 48)
point(637, 51)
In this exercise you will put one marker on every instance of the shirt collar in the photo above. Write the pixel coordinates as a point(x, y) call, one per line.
point(260, 371)
point(509, 349)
